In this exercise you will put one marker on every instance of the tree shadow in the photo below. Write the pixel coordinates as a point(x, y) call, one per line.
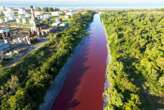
point(134, 75)
point(154, 102)
point(150, 102)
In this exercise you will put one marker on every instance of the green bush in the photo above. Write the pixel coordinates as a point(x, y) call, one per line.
point(135, 40)
point(33, 75)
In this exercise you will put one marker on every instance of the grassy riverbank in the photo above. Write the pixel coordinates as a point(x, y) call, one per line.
point(23, 86)
point(136, 72)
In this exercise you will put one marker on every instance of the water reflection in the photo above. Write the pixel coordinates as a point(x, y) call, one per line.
point(84, 85)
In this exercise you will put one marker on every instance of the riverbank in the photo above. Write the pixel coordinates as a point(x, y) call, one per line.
point(58, 82)
point(135, 73)
point(27, 94)
point(107, 83)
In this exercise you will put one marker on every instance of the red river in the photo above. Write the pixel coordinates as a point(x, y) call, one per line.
point(84, 84)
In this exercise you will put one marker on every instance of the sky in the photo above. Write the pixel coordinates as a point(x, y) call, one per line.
point(117, 3)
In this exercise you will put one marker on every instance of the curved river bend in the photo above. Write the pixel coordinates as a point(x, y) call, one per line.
point(84, 84)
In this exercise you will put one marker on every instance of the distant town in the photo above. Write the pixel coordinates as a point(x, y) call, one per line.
point(25, 29)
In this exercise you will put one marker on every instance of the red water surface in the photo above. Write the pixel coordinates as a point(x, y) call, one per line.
point(84, 84)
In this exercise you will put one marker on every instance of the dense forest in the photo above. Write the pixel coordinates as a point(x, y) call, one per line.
point(136, 69)
point(23, 86)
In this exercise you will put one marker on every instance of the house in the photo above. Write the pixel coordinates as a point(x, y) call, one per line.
point(1, 21)
point(27, 15)
point(6, 20)
point(24, 21)
point(55, 24)
point(18, 20)
point(11, 18)
point(46, 16)
point(1, 10)
point(58, 20)
point(66, 17)
point(4, 33)
point(38, 13)
point(4, 47)
point(43, 16)
point(55, 13)
point(2, 30)
point(22, 11)
point(9, 13)
point(69, 13)
point(62, 25)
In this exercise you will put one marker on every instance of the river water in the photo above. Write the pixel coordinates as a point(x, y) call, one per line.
point(84, 84)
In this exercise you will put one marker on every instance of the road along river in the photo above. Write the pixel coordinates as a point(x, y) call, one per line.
point(84, 84)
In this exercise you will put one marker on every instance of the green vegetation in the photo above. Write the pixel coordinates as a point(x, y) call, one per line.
point(136, 71)
point(23, 86)
point(48, 9)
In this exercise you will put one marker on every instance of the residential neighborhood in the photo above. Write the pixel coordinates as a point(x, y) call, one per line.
point(26, 27)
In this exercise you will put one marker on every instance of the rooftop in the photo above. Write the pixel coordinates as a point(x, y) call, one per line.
point(2, 30)
point(4, 47)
